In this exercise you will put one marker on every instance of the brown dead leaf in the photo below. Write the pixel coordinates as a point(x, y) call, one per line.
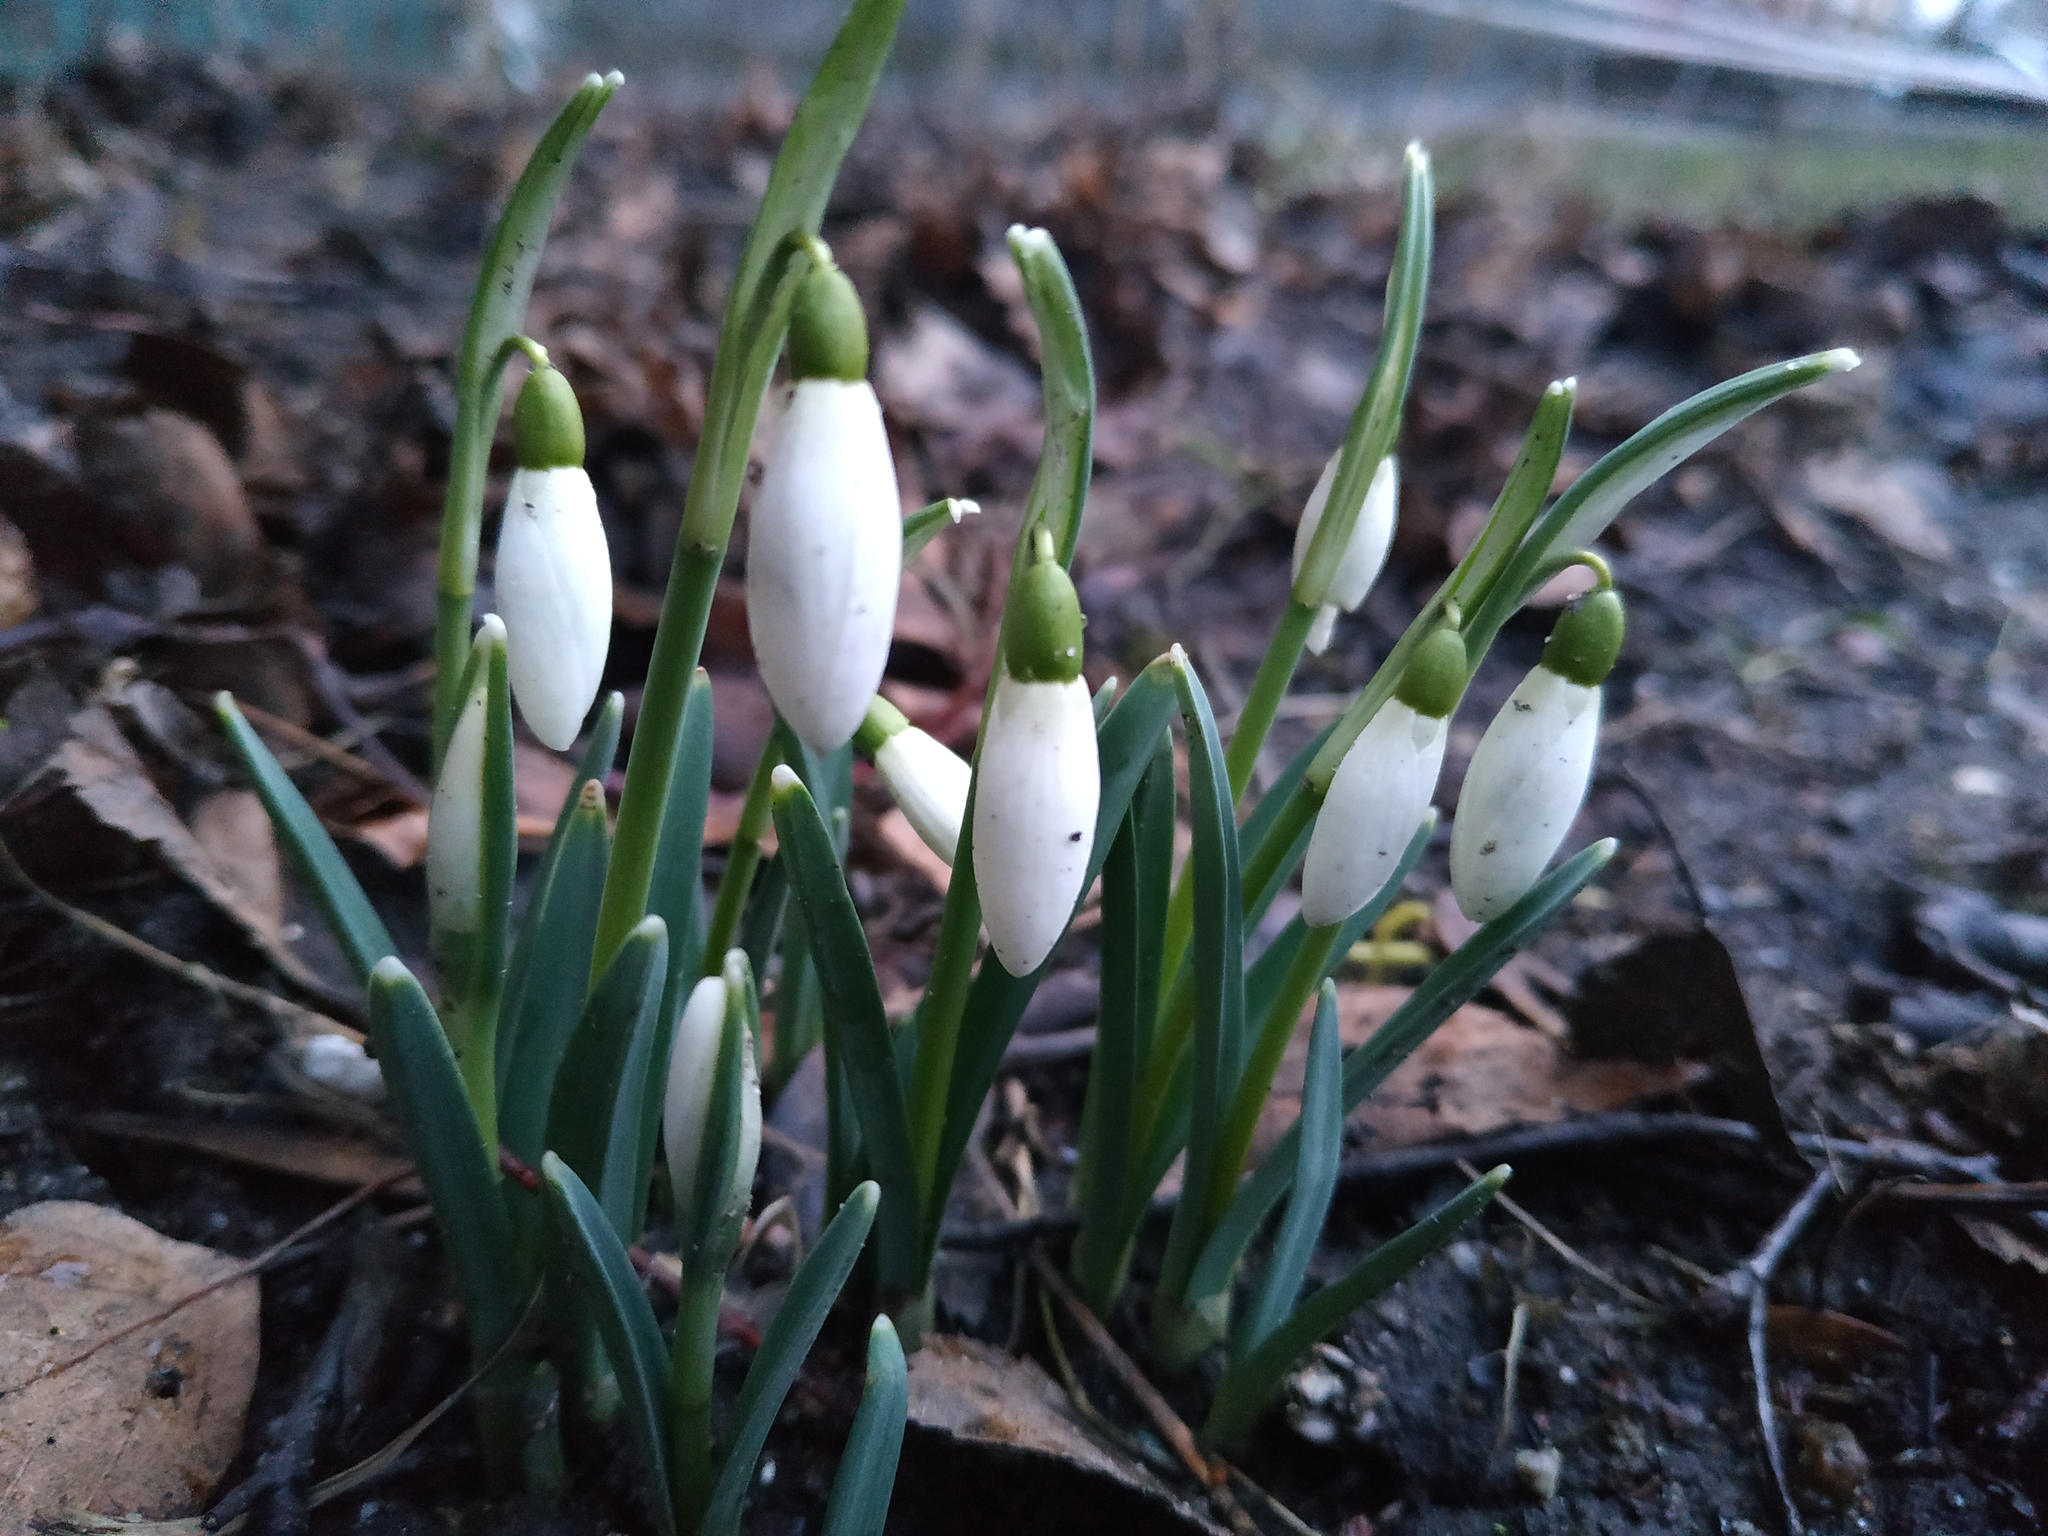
point(145, 1426)
point(1896, 501)
point(1007, 1437)
point(322, 1155)
point(1827, 1341)
point(1480, 1071)
point(234, 831)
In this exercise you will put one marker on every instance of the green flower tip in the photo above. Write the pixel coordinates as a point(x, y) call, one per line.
point(1042, 632)
point(1587, 638)
point(784, 781)
point(828, 333)
point(547, 424)
point(882, 721)
point(1435, 678)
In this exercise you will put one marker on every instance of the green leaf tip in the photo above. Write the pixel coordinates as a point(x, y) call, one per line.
point(389, 973)
point(784, 781)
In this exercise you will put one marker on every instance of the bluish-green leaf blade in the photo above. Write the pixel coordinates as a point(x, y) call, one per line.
point(927, 523)
point(812, 1291)
point(1066, 367)
point(867, 1472)
point(1315, 1180)
point(460, 1173)
point(1455, 982)
point(632, 1339)
point(594, 1117)
point(307, 844)
point(856, 1024)
point(1248, 1384)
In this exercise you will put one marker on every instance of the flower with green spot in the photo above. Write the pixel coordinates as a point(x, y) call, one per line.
point(928, 781)
point(825, 547)
point(1529, 775)
point(711, 1041)
point(554, 572)
point(1040, 780)
point(1383, 787)
point(455, 818)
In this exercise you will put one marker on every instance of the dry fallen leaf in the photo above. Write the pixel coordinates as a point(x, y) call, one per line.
point(1896, 501)
point(145, 1425)
point(326, 1156)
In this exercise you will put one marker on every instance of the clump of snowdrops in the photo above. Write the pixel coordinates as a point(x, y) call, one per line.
point(622, 1013)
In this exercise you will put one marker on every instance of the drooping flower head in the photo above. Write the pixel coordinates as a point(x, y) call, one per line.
point(929, 781)
point(554, 573)
point(1528, 777)
point(825, 551)
point(1040, 778)
point(1383, 787)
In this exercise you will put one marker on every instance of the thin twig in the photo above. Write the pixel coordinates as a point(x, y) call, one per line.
point(1560, 1247)
point(229, 1276)
point(283, 1010)
point(331, 683)
point(1518, 1332)
point(2026, 1197)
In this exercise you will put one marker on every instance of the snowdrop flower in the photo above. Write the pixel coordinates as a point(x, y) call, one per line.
point(1383, 787)
point(1529, 775)
point(711, 1042)
point(341, 1064)
point(1040, 779)
point(554, 574)
point(1366, 553)
point(455, 817)
point(825, 551)
point(929, 782)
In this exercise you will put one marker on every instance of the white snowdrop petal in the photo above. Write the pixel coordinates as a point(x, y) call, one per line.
point(1034, 816)
point(341, 1064)
point(455, 821)
point(692, 1072)
point(929, 784)
point(1525, 786)
point(1371, 537)
point(1377, 799)
point(824, 557)
point(554, 583)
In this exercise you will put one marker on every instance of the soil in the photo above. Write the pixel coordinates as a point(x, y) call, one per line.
point(1831, 712)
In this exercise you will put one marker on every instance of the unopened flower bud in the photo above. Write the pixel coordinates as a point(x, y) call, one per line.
point(554, 574)
point(825, 549)
point(711, 1043)
point(1383, 787)
point(1365, 554)
point(1041, 780)
point(928, 781)
point(1529, 775)
point(455, 818)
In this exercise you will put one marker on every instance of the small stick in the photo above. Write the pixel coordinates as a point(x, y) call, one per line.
point(2027, 1197)
point(331, 683)
point(1560, 1247)
point(1518, 1331)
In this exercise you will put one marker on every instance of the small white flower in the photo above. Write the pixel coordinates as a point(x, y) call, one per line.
point(824, 557)
point(686, 1104)
point(1377, 799)
point(455, 818)
point(1522, 792)
point(929, 783)
point(1364, 556)
point(555, 592)
point(341, 1064)
point(1034, 815)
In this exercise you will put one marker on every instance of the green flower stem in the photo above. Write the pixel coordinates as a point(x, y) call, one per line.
point(496, 313)
point(740, 864)
point(1242, 1118)
point(945, 999)
point(696, 1347)
point(1276, 672)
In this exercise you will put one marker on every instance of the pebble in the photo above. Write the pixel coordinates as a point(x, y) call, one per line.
point(1539, 1471)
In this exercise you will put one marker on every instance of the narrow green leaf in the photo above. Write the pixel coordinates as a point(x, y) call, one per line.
point(867, 1471)
point(480, 990)
point(812, 1291)
point(313, 855)
point(548, 977)
point(1125, 744)
point(1454, 983)
point(458, 1169)
point(927, 523)
point(1217, 1043)
point(761, 925)
point(594, 1117)
point(856, 1024)
point(632, 1339)
point(496, 315)
point(1377, 419)
point(1249, 1384)
point(1067, 378)
point(1315, 1180)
